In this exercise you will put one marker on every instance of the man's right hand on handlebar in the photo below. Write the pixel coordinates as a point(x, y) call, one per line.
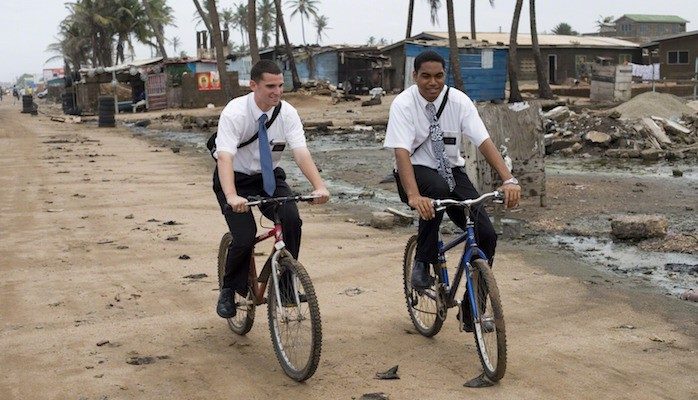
point(423, 205)
point(237, 203)
point(512, 194)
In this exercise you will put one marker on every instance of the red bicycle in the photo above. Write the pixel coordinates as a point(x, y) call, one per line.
point(292, 306)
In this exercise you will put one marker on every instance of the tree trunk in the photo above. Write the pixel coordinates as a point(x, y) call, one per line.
point(514, 94)
point(472, 20)
point(120, 49)
point(203, 16)
point(289, 51)
point(252, 29)
point(410, 16)
point(544, 91)
point(311, 62)
point(157, 29)
point(218, 44)
point(453, 45)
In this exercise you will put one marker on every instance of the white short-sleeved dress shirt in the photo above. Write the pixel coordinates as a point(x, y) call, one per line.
point(408, 126)
point(239, 121)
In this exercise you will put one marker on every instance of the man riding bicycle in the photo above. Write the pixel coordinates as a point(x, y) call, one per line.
point(253, 131)
point(426, 125)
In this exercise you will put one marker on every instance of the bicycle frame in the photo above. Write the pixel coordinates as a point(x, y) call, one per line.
point(470, 251)
point(271, 266)
point(259, 284)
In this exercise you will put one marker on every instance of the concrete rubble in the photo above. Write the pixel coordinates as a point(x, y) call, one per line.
point(638, 226)
point(609, 133)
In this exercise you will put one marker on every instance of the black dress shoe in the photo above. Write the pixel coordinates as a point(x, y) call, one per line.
point(420, 276)
point(226, 306)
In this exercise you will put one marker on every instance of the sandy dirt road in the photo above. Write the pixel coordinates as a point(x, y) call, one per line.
point(85, 259)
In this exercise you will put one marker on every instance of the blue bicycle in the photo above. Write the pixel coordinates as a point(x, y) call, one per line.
point(428, 307)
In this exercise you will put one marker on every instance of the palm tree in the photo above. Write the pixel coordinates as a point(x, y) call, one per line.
point(252, 30)
point(266, 19)
point(434, 6)
point(159, 14)
point(603, 21)
point(306, 9)
point(218, 44)
point(289, 51)
point(564, 28)
point(453, 45)
point(203, 15)
point(239, 19)
point(473, 32)
point(176, 42)
point(321, 27)
point(371, 41)
point(514, 94)
point(544, 91)
point(410, 16)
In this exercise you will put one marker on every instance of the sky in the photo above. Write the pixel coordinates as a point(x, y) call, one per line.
point(27, 27)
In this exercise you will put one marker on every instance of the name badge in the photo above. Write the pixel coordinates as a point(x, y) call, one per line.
point(450, 140)
point(278, 146)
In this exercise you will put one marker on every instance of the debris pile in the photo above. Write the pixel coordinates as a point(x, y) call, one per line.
point(651, 126)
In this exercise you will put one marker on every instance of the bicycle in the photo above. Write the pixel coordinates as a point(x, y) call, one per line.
point(294, 314)
point(428, 307)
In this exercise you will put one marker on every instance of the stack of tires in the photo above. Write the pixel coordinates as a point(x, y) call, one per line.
point(106, 112)
point(27, 103)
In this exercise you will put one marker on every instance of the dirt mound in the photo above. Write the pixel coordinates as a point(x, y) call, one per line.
point(652, 103)
point(693, 104)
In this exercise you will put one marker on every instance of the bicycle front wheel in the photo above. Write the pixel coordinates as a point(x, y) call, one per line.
point(421, 305)
point(490, 332)
point(294, 324)
point(243, 320)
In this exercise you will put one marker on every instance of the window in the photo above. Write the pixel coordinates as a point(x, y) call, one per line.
point(623, 58)
point(677, 57)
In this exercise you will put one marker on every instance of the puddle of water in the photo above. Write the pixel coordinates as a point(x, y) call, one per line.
point(628, 260)
point(343, 192)
point(622, 168)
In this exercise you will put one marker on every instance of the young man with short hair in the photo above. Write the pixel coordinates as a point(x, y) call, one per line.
point(428, 162)
point(250, 167)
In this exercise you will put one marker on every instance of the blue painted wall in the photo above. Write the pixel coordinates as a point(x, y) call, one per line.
point(326, 67)
point(481, 84)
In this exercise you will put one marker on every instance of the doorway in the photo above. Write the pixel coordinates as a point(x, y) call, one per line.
point(552, 68)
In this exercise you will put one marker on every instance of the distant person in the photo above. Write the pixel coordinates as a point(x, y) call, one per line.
point(429, 164)
point(248, 155)
point(15, 94)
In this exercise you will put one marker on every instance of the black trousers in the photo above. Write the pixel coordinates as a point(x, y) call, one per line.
point(432, 185)
point(243, 228)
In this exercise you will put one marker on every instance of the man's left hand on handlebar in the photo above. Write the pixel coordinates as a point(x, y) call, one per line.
point(322, 196)
point(512, 194)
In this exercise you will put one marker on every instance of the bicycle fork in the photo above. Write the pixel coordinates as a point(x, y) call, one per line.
point(275, 280)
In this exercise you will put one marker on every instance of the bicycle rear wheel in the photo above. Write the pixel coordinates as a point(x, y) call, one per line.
point(422, 306)
point(491, 343)
point(243, 320)
point(295, 326)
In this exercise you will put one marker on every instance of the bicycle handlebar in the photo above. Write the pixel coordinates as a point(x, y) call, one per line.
point(258, 201)
point(442, 204)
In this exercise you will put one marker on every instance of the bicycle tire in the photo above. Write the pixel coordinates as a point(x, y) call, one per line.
point(243, 320)
point(425, 319)
point(298, 363)
point(486, 346)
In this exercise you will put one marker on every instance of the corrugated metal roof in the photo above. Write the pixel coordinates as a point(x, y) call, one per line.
point(669, 37)
point(124, 66)
point(524, 39)
point(654, 18)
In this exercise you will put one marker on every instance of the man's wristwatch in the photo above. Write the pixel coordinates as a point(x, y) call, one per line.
point(511, 181)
